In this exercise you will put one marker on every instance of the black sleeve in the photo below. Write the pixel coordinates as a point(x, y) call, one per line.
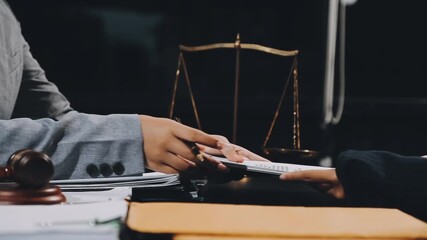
point(384, 179)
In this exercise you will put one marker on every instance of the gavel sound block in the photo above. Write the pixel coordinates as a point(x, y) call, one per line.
point(30, 172)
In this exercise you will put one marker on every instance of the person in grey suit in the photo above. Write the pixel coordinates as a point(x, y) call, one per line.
point(34, 114)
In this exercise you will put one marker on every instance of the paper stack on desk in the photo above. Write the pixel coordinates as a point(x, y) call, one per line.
point(114, 188)
point(91, 221)
point(153, 179)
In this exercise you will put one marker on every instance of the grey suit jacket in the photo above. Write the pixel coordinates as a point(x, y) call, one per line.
point(34, 114)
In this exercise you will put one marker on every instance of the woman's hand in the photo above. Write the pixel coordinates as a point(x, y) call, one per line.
point(231, 151)
point(326, 180)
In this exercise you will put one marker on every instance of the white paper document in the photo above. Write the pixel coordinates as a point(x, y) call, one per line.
point(117, 193)
point(274, 168)
point(94, 190)
point(152, 179)
point(99, 220)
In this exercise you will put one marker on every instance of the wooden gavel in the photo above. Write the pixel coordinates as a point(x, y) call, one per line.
point(30, 169)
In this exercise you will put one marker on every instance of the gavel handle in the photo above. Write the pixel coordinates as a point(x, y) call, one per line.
point(6, 173)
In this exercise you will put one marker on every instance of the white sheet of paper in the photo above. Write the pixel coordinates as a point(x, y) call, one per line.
point(274, 168)
point(67, 218)
point(152, 179)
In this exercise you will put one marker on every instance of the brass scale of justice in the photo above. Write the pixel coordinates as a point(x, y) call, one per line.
point(296, 151)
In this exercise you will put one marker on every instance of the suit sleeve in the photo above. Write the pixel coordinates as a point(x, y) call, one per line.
point(80, 145)
point(384, 179)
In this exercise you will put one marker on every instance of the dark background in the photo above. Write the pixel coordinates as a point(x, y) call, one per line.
point(111, 56)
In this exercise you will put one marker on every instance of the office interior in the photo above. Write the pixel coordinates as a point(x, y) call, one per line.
point(111, 56)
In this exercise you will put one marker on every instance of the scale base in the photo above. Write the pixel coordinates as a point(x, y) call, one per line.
point(297, 156)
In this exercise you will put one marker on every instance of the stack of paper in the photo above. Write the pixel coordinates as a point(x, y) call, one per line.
point(109, 189)
point(91, 221)
point(153, 179)
point(78, 197)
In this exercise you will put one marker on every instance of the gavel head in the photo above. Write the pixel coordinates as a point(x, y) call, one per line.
point(30, 168)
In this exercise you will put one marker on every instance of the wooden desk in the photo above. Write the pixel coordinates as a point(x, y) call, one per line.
point(190, 221)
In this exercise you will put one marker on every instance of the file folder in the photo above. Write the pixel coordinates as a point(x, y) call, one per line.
point(228, 221)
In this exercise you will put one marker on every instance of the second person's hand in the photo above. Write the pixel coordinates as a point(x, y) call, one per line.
point(325, 179)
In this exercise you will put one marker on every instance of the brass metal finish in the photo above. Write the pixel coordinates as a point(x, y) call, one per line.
point(299, 154)
point(279, 106)
point(187, 78)
point(238, 46)
point(250, 46)
point(296, 132)
point(296, 152)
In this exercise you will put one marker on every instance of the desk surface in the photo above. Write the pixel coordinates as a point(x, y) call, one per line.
point(253, 190)
point(260, 222)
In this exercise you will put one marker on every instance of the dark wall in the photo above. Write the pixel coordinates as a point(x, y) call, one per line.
point(120, 57)
point(386, 71)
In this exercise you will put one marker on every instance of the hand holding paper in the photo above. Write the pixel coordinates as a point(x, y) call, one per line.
point(326, 179)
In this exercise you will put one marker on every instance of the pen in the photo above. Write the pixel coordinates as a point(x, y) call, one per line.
point(193, 146)
point(195, 150)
